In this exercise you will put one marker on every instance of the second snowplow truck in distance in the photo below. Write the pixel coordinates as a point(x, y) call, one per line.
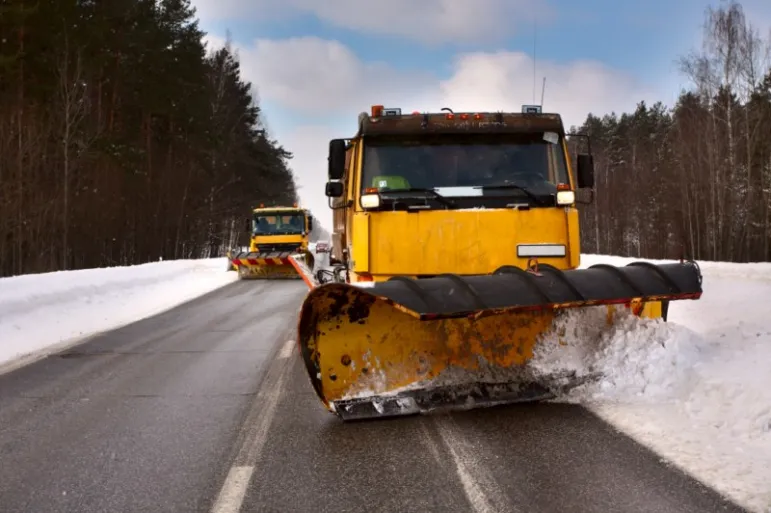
point(457, 241)
point(275, 234)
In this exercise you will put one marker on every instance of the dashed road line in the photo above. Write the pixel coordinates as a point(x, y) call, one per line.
point(234, 490)
point(481, 489)
point(286, 351)
point(253, 435)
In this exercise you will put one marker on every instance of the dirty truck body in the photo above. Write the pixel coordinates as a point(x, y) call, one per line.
point(275, 233)
point(457, 245)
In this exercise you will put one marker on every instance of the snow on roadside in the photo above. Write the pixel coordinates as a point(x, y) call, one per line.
point(696, 389)
point(40, 311)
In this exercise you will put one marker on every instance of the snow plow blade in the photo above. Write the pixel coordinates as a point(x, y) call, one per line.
point(265, 265)
point(303, 264)
point(406, 346)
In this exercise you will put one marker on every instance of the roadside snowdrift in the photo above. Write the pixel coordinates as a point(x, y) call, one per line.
point(697, 389)
point(41, 311)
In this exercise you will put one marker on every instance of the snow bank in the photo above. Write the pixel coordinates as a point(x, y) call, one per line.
point(697, 389)
point(51, 310)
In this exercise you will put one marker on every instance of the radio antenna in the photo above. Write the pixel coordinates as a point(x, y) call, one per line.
point(543, 91)
point(535, 31)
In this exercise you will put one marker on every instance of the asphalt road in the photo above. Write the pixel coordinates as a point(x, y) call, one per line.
point(207, 408)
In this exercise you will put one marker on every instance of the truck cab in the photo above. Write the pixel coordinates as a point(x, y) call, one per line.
point(279, 229)
point(425, 194)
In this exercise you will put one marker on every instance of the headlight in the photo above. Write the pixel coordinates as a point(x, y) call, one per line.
point(566, 197)
point(370, 201)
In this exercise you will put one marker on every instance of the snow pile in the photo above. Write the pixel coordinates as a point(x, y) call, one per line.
point(697, 389)
point(40, 311)
point(642, 358)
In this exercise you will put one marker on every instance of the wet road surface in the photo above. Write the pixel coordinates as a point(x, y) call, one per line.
point(207, 408)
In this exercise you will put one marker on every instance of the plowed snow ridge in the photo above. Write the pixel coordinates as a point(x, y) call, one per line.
point(696, 390)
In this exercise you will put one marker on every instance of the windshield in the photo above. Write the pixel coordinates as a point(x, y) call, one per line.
point(278, 224)
point(468, 166)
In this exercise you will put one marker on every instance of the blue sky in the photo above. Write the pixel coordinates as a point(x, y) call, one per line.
point(317, 64)
point(621, 34)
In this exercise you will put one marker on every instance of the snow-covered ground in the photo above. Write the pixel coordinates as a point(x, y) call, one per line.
point(46, 312)
point(697, 390)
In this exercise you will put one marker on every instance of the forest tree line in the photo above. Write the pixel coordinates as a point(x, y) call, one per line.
point(123, 139)
point(693, 180)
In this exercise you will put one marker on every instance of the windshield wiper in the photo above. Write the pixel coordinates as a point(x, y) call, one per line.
point(527, 191)
point(441, 199)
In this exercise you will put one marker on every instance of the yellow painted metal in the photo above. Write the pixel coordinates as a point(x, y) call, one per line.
point(278, 239)
point(364, 345)
point(272, 268)
point(647, 309)
point(463, 242)
point(281, 239)
point(361, 250)
point(574, 238)
point(568, 164)
point(354, 176)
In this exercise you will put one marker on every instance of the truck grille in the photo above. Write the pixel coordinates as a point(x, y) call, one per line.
point(279, 248)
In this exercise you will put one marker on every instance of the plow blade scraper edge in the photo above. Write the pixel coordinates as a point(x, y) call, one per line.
point(408, 346)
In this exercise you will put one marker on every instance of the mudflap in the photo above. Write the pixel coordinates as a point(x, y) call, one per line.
point(405, 346)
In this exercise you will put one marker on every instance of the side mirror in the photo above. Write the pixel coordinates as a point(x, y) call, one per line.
point(334, 189)
point(248, 225)
point(310, 223)
point(336, 159)
point(585, 171)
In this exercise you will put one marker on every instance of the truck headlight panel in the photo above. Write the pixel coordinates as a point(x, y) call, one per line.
point(566, 197)
point(370, 201)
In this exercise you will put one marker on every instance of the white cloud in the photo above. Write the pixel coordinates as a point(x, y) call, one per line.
point(309, 144)
point(432, 21)
point(317, 76)
point(311, 75)
point(321, 77)
point(504, 81)
point(426, 21)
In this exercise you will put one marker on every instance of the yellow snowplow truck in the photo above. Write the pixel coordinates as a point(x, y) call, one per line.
point(457, 245)
point(276, 233)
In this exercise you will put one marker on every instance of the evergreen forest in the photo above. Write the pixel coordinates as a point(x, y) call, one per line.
point(124, 139)
point(692, 180)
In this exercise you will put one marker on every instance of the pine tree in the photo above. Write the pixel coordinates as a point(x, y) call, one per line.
point(124, 140)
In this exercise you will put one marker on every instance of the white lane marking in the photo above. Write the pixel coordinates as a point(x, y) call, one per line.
point(480, 487)
point(260, 419)
point(234, 490)
point(286, 351)
point(252, 439)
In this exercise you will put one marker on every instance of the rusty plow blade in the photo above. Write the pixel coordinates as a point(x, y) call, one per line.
point(407, 346)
